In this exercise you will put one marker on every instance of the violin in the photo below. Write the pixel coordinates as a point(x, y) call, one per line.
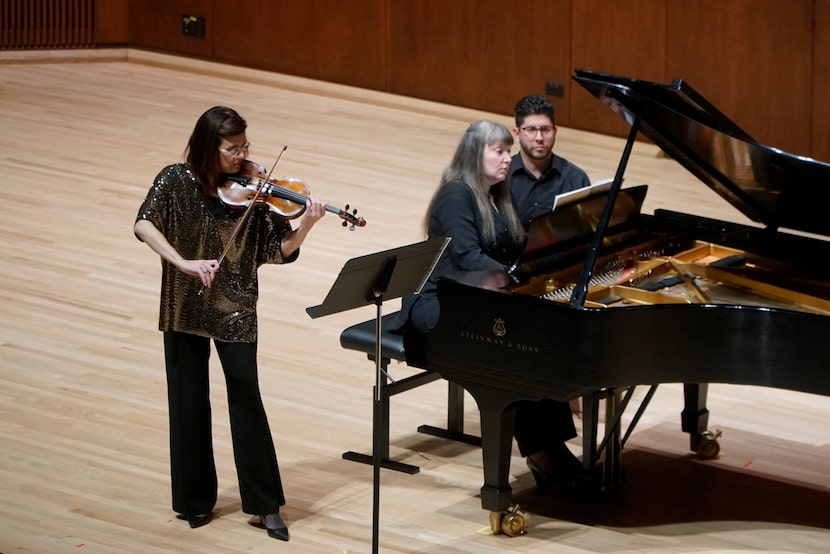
point(286, 197)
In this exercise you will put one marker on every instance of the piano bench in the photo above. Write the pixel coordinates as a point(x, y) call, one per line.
point(362, 337)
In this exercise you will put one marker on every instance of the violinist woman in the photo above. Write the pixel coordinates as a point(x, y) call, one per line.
point(184, 221)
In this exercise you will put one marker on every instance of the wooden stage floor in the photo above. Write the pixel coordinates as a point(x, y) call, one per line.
point(83, 419)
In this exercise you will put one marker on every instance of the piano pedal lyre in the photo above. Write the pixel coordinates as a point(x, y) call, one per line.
point(708, 448)
point(512, 523)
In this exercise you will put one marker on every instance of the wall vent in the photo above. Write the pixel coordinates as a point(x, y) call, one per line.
point(47, 24)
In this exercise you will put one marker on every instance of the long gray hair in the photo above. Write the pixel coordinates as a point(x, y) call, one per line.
point(466, 165)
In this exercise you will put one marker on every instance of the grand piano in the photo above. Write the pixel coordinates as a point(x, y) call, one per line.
point(606, 298)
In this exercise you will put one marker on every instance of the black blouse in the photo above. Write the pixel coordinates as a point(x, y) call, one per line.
point(455, 214)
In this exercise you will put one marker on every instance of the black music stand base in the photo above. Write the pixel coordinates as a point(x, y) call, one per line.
point(380, 422)
point(385, 463)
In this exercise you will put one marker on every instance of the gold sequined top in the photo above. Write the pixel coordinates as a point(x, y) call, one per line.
point(198, 227)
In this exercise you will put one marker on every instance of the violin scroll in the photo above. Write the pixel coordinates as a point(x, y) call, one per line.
point(350, 220)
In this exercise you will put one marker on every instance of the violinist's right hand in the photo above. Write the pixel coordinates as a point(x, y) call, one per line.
point(205, 270)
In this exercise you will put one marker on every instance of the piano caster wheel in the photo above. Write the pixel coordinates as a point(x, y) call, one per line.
point(512, 523)
point(708, 448)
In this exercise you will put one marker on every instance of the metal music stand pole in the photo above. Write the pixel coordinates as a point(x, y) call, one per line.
point(380, 381)
point(372, 279)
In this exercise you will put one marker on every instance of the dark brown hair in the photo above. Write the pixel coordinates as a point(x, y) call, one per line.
point(202, 148)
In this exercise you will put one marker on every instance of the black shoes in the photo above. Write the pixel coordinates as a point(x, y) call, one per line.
point(195, 520)
point(273, 524)
point(556, 467)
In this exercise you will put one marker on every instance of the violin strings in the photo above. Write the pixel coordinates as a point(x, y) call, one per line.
point(250, 207)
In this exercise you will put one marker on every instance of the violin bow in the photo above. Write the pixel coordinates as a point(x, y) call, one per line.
point(250, 207)
point(245, 215)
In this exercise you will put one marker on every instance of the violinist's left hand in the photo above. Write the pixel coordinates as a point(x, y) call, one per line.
point(314, 212)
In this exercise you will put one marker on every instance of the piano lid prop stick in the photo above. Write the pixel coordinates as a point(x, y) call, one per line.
point(580, 292)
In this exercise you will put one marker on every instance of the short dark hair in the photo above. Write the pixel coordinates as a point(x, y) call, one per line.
point(531, 105)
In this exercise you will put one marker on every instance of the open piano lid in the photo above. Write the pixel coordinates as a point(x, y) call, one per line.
point(767, 185)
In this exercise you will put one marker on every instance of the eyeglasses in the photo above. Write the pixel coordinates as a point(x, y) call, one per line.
point(530, 132)
point(237, 150)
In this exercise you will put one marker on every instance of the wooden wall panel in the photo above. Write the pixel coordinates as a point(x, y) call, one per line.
point(762, 62)
point(157, 25)
point(112, 25)
point(330, 40)
point(821, 83)
point(752, 59)
point(483, 54)
point(621, 38)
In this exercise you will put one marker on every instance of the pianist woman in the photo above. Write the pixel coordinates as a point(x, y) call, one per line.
point(473, 205)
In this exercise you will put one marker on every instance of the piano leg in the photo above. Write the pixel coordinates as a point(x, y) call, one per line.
point(497, 426)
point(601, 463)
point(590, 419)
point(498, 419)
point(695, 416)
point(612, 476)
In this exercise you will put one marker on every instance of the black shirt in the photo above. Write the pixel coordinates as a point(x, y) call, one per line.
point(534, 197)
point(455, 214)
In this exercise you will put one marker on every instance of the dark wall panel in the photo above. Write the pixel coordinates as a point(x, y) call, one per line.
point(821, 83)
point(330, 40)
point(157, 25)
point(752, 59)
point(622, 38)
point(112, 26)
point(762, 62)
point(480, 54)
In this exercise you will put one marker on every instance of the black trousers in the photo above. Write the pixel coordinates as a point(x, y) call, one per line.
point(542, 424)
point(192, 466)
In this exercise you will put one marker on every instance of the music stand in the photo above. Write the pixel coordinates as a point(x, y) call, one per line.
point(370, 279)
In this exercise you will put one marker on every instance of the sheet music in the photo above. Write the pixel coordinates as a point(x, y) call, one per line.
point(594, 189)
